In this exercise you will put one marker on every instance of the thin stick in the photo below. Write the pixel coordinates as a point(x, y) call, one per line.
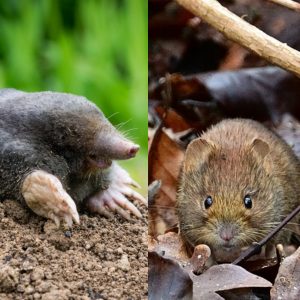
point(245, 34)
point(201, 104)
point(256, 248)
point(288, 3)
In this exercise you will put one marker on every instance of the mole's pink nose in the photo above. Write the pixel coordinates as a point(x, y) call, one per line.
point(133, 150)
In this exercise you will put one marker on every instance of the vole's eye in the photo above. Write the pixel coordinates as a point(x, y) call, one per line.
point(208, 202)
point(248, 201)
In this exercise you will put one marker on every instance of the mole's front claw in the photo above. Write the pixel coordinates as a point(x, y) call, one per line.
point(115, 198)
point(120, 201)
point(134, 184)
point(45, 195)
point(111, 200)
point(120, 175)
point(130, 193)
point(122, 181)
point(95, 206)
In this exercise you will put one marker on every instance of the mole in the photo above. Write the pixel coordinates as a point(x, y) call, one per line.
point(58, 155)
point(238, 181)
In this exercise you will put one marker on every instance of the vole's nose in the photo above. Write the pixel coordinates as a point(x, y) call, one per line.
point(227, 233)
point(226, 236)
point(133, 150)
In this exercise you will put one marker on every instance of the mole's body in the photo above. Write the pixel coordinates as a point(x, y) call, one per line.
point(238, 181)
point(56, 148)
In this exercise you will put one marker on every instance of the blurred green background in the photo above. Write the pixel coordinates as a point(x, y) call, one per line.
point(94, 48)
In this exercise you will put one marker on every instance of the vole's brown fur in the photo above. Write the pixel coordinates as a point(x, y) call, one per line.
point(233, 159)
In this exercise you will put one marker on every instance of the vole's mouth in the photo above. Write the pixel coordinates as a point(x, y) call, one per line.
point(101, 163)
point(228, 247)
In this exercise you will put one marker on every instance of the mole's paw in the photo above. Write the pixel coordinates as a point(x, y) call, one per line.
point(115, 198)
point(45, 195)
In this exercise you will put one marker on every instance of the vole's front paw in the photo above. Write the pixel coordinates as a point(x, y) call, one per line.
point(115, 198)
point(45, 195)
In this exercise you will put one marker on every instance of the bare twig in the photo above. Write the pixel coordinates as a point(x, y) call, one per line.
point(245, 34)
point(256, 248)
point(201, 104)
point(288, 3)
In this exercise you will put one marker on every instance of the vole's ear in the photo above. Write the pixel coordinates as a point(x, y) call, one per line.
point(196, 154)
point(260, 147)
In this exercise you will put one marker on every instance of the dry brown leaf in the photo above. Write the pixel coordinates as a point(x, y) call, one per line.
point(165, 157)
point(223, 278)
point(167, 280)
point(165, 160)
point(170, 245)
point(289, 130)
point(265, 267)
point(173, 120)
point(169, 265)
point(286, 284)
point(181, 88)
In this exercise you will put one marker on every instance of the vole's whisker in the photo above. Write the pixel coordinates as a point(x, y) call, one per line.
point(162, 206)
point(291, 223)
point(172, 227)
point(291, 230)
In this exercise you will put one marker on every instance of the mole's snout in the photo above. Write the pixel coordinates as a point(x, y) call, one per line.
point(133, 151)
point(125, 149)
point(115, 146)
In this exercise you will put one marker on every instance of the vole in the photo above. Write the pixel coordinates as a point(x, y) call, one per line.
point(57, 154)
point(238, 181)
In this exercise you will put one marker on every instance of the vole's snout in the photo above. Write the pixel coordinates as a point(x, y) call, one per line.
point(227, 232)
point(226, 235)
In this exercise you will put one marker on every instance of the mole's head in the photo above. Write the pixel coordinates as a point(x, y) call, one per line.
point(82, 133)
point(227, 196)
point(107, 145)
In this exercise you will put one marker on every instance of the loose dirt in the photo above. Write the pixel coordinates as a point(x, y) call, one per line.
point(99, 259)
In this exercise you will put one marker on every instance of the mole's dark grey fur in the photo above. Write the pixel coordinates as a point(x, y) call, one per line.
point(60, 134)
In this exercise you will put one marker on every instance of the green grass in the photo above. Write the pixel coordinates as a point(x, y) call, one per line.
point(93, 48)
